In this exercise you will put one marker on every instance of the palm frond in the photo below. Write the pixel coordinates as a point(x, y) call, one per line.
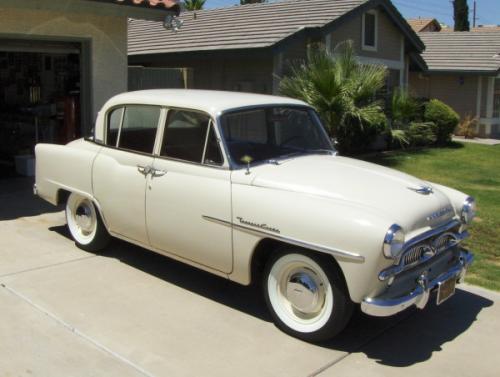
point(339, 87)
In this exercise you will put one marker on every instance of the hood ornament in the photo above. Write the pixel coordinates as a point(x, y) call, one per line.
point(423, 190)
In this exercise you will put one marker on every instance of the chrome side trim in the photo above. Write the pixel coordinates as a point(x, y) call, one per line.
point(383, 307)
point(215, 220)
point(289, 240)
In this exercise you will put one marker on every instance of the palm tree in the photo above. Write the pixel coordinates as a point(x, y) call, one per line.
point(342, 90)
point(194, 4)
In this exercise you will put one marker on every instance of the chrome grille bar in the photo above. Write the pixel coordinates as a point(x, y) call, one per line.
point(424, 250)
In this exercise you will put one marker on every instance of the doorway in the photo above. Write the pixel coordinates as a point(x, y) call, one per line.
point(40, 99)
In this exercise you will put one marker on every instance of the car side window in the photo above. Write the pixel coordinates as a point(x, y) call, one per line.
point(213, 154)
point(185, 135)
point(114, 120)
point(138, 131)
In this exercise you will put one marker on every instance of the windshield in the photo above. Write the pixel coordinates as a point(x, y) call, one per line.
point(268, 133)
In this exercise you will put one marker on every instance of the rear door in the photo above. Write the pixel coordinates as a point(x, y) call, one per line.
point(120, 172)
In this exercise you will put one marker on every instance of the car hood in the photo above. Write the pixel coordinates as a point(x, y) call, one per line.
point(386, 190)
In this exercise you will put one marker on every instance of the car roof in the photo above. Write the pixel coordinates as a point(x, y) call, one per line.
point(210, 101)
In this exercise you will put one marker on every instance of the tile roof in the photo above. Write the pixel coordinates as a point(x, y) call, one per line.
point(462, 51)
point(418, 24)
point(487, 28)
point(236, 27)
point(158, 4)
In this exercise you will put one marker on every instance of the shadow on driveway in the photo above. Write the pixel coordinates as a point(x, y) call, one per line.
point(402, 340)
point(17, 199)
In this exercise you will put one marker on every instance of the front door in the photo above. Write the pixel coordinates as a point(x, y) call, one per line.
point(120, 172)
point(187, 185)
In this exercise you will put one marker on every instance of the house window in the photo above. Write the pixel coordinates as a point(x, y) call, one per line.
point(369, 30)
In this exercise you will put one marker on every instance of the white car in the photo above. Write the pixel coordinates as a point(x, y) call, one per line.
point(249, 187)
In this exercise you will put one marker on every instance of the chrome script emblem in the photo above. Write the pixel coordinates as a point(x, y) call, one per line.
point(438, 214)
point(261, 226)
point(423, 190)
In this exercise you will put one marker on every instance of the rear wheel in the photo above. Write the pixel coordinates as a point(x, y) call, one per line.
point(306, 295)
point(85, 223)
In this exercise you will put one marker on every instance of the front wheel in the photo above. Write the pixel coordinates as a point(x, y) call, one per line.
point(306, 295)
point(85, 224)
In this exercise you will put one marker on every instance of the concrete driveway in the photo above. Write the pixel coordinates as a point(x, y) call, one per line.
point(66, 312)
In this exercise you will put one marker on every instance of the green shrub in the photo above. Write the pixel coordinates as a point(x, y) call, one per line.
point(357, 140)
point(421, 134)
point(404, 109)
point(444, 117)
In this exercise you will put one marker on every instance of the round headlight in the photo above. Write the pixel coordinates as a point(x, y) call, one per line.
point(468, 210)
point(394, 241)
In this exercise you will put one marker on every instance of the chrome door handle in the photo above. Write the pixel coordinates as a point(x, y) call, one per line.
point(144, 169)
point(157, 172)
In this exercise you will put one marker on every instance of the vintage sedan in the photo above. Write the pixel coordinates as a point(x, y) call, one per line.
point(249, 187)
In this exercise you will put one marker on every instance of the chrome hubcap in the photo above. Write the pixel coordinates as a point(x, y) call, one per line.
point(84, 218)
point(305, 292)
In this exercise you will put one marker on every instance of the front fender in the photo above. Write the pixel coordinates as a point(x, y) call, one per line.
point(331, 223)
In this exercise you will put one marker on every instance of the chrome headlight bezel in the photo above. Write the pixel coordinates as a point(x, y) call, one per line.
point(468, 211)
point(394, 242)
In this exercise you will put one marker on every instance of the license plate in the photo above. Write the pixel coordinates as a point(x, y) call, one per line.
point(446, 289)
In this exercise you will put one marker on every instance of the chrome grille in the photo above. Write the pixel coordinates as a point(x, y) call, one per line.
point(414, 254)
point(444, 241)
point(429, 248)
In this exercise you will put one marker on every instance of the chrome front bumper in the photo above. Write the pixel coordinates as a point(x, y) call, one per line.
point(383, 307)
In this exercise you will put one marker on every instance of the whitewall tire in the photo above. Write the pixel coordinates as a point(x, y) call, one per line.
point(306, 295)
point(85, 223)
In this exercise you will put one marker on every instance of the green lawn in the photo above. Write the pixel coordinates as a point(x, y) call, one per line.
point(475, 170)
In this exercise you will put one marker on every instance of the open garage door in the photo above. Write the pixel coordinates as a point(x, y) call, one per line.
point(40, 98)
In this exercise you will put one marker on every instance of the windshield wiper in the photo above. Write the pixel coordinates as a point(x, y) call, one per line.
point(320, 151)
point(276, 160)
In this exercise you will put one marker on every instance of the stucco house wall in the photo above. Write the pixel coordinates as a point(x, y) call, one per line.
point(459, 92)
point(389, 38)
point(101, 28)
point(469, 95)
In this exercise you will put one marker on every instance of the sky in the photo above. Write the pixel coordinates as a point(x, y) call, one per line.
point(488, 11)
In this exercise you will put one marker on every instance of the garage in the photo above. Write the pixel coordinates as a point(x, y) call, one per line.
point(60, 61)
point(43, 98)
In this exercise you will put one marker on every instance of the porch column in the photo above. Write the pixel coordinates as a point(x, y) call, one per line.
point(277, 70)
point(489, 104)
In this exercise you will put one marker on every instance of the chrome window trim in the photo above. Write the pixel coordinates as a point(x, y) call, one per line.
point(123, 106)
point(225, 164)
point(206, 141)
point(160, 131)
point(306, 245)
